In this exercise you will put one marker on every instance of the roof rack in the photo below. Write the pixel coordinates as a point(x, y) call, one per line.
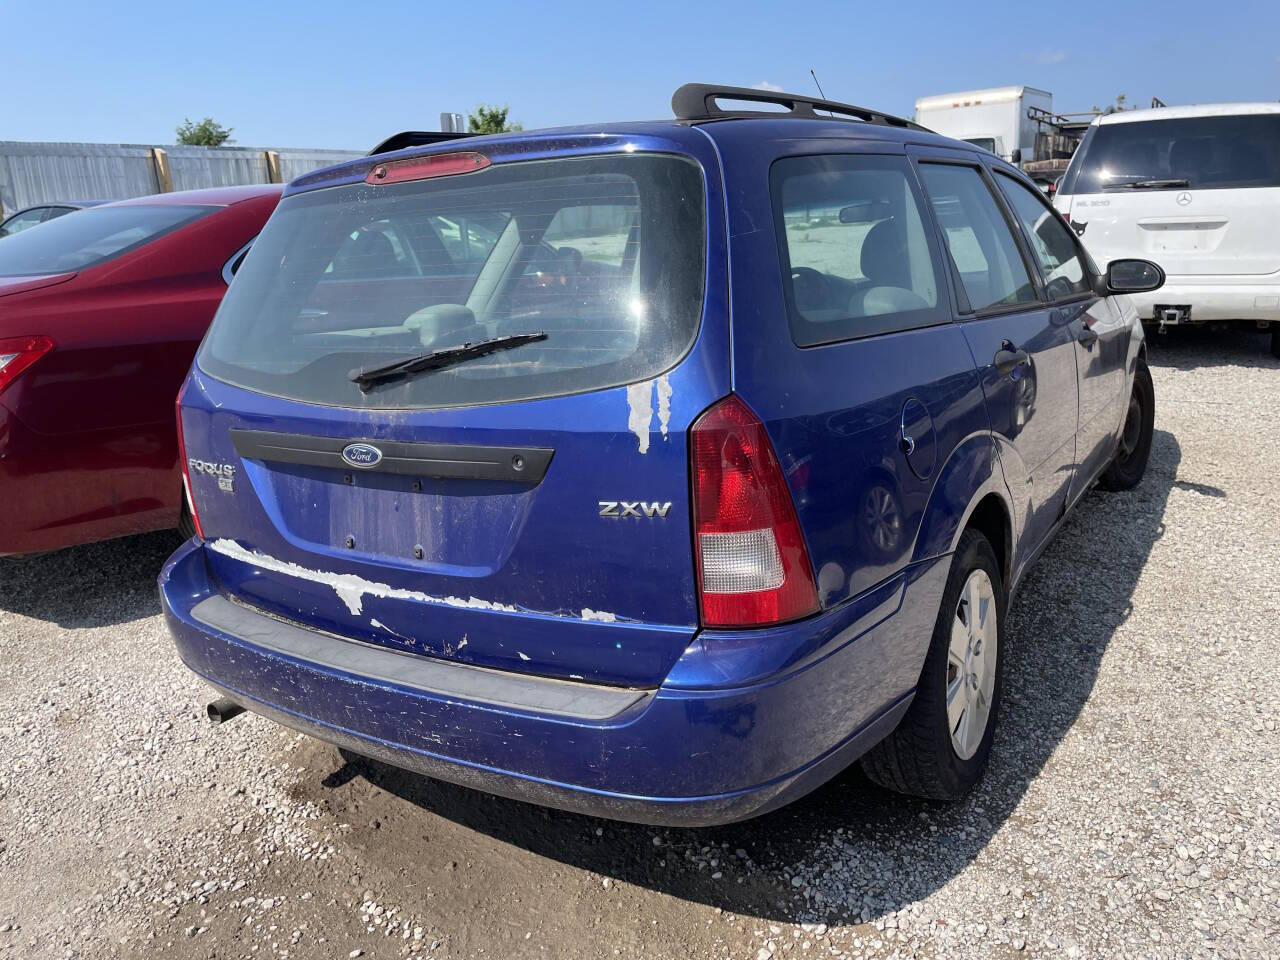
point(415, 138)
point(697, 101)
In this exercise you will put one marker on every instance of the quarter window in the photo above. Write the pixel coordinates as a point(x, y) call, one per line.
point(1052, 245)
point(857, 258)
point(982, 246)
point(22, 221)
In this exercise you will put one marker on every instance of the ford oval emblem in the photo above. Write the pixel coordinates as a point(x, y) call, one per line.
point(363, 455)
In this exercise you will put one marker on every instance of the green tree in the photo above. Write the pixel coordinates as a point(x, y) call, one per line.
point(1121, 104)
point(206, 133)
point(489, 119)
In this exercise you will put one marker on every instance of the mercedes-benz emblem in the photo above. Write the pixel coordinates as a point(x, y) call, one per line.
point(1184, 198)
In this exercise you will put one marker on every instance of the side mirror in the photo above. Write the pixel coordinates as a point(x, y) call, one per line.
point(1016, 157)
point(1133, 276)
point(866, 211)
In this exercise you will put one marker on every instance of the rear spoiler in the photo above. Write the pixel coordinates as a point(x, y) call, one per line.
point(415, 138)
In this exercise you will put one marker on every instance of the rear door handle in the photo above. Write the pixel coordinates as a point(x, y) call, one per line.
point(1087, 337)
point(1006, 361)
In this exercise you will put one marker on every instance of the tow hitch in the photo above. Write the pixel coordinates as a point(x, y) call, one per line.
point(1172, 316)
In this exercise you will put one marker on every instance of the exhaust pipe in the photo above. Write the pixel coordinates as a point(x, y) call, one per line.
point(223, 709)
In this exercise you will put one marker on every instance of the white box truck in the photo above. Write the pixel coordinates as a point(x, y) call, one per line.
point(995, 119)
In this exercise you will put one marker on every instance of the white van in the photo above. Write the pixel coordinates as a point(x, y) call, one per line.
point(1197, 190)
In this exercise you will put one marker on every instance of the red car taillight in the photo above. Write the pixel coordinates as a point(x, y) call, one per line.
point(19, 353)
point(753, 566)
point(186, 472)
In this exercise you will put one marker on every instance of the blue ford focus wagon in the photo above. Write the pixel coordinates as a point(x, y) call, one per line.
point(653, 470)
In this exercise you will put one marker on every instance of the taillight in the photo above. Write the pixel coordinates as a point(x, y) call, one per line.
point(753, 567)
point(186, 471)
point(19, 353)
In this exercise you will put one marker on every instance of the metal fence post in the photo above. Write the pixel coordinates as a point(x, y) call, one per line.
point(164, 176)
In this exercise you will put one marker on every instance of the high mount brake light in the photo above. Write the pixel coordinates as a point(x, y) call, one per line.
point(186, 470)
point(19, 353)
point(424, 168)
point(753, 566)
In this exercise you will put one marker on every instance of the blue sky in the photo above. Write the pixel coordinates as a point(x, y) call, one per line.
point(347, 74)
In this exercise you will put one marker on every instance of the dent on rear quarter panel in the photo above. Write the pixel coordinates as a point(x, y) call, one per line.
point(971, 473)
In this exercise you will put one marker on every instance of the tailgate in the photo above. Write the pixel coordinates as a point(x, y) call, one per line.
point(448, 414)
point(577, 564)
point(1197, 232)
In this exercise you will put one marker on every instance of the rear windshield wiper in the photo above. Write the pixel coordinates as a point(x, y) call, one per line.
point(1153, 184)
point(439, 359)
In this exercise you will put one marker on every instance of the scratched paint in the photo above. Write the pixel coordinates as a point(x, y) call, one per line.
point(663, 387)
point(379, 625)
point(640, 412)
point(352, 589)
point(640, 398)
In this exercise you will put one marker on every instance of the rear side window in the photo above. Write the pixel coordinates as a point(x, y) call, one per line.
point(1054, 249)
point(982, 247)
point(90, 237)
point(857, 258)
point(1200, 153)
point(605, 255)
point(23, 221)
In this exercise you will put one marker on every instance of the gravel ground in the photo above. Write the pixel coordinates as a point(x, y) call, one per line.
point(1132, 807)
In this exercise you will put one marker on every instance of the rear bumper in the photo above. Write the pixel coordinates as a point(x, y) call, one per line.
point(680, 754)
point(1215, 298)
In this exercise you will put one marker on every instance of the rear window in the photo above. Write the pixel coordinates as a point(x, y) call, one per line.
point(605, 255)
point(1194, 152)
point(90, 237)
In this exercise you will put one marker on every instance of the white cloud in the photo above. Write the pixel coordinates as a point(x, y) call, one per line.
point(766, 85)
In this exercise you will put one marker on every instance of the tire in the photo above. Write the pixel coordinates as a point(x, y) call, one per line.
point(186, 526)
point(1275, 341)
point(1134, 449)
point(928, 755)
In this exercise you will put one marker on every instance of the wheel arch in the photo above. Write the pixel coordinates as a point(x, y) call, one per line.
point(990, 516)
point(970, 491)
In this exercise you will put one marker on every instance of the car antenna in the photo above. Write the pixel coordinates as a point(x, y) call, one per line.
point(817, 84)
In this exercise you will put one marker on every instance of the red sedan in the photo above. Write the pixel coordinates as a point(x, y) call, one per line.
point(100, 314)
